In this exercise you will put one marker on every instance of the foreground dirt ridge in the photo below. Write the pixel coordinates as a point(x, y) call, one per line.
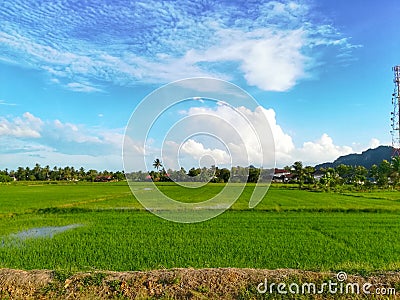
point(227, 283)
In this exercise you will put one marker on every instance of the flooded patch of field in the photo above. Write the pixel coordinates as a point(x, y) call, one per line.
point(42, 232)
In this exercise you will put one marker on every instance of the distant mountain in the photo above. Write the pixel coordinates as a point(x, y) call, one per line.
point(367, 158)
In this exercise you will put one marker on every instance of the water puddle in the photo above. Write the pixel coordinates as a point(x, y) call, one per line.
point(42, 232)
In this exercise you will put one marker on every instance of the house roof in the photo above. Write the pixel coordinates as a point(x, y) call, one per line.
point(280, 171)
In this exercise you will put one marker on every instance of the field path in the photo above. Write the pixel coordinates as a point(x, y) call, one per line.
point(227, 283)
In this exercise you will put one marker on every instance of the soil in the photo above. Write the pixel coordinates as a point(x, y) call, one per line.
point(226, 283)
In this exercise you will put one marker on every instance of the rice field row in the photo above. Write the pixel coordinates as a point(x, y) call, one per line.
point(138, 241)
point(289, 229)
point(29, 198)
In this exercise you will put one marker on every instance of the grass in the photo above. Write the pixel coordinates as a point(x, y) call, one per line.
point(354, 232)
point(25, 198)
point(22, 198)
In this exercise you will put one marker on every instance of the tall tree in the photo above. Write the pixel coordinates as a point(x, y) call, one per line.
point(224, 174)
point(395, 171)
point(157, 164)
point(384, 170)
point(309, 175)
point(329, 179)
point(360, 175)
point(82, 173)
point(345, 172)
point(254, 174)
point(298, 172)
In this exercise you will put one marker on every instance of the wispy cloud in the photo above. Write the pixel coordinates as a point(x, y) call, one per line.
point(80, 87)
point(271, 44)
point(3, 102)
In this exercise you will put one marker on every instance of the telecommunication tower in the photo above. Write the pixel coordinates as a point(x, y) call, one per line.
point(395, 118)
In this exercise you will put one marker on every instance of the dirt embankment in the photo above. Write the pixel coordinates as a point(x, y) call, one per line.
point(226, 283)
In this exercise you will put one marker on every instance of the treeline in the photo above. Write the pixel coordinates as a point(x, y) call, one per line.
point(384, 175)
point(39, 173)
point(212, 174)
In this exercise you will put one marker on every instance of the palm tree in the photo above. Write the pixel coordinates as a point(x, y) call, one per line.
point(157, 164)
point(46, 172)
point(82, 173)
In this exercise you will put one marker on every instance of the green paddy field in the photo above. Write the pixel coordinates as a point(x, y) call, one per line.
point(101, 226)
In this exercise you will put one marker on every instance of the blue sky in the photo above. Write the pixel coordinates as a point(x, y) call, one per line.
point(72, 72)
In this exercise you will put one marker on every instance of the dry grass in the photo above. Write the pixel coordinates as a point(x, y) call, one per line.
point(226, 283)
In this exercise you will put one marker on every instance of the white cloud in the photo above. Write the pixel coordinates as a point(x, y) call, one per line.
point(275, 64)
point(48, 157)
point(243, 143)
point(270, 59)
point(30, 136)
point(133, 146)
point(28, 126)
point(240, 123)
point(283, 141)
point(28, 139)
point(374, 143)
point(321, 150)
point(234, 127)
point(70, 133)
point(198, 151)
point(134, 153)
point(55, 80)
point(3, 102)
point(11, 144)
point(272, 46)
point(80, 87)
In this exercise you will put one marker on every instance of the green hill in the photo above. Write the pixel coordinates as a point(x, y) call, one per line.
point(367, 158)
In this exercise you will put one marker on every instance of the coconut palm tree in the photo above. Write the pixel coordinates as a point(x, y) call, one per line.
point(157, 164)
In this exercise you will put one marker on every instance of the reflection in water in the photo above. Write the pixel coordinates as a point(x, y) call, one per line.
point(45, 232)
